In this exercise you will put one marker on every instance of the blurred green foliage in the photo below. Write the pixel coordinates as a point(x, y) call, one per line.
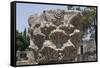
point(88, 15)
point(22, 40)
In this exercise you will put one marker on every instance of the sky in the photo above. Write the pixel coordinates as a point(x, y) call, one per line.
point(24, 10)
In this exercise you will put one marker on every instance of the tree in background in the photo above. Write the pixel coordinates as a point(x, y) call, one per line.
point(22, 40)
point(70, 7)
point(87, 18)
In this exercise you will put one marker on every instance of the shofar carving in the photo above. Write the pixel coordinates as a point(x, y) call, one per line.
point(55, 36)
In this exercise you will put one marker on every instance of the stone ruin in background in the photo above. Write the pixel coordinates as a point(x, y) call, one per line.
point(54, 36)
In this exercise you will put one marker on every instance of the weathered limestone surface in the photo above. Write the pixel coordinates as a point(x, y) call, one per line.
point(55, 36)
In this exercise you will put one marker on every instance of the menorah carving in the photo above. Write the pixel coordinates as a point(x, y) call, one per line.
point(55, 36)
